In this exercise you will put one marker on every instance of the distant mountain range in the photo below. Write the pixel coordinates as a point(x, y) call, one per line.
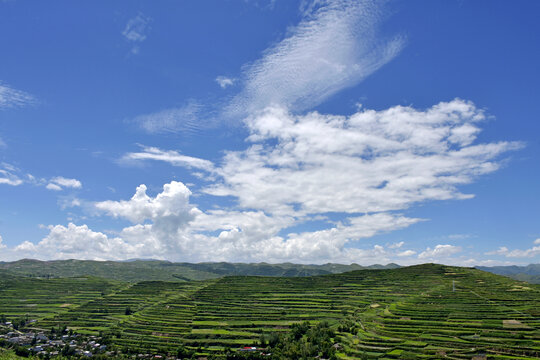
point(144, 270)
point(136, 270)
point(529, 273)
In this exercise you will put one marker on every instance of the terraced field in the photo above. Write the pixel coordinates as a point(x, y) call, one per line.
point(424, 311)
point(38, 298)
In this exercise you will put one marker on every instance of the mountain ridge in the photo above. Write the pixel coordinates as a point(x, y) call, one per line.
point(135, 270)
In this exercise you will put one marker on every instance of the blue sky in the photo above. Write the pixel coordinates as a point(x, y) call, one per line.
point(303, 131)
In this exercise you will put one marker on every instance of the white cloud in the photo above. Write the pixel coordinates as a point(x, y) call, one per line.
point(178, 230)
point(299, 168)
point(136, 29)
point(172, 204)
point(59, 183)
point(185, 120)
point(371, 161)
point(334, 46)
point(9, 175)
point(406, 253)
point(65, 182)
point(12, 98)
point(172, 157)
point(517, 253)
point(440, 251)
point(1, 244)
point(459, 236)
point(224, 82)
point(396, 245)
point(76, 242)
point(53, 187)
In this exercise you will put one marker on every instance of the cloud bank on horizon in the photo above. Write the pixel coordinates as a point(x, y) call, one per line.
point(353, 176)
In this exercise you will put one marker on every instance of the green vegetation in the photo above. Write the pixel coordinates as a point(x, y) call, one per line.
point(404, 313)
point(148, 270)
point(529, 273)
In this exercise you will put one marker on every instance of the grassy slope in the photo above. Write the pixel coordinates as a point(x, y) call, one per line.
point(146, 270)
point(529, 273)
point(38, 298)
point(379, 313)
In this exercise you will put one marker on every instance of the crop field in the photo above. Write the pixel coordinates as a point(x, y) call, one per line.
point(38, 298)
point(424, 311)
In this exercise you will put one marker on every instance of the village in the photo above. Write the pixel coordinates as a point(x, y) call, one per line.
point(67, 343)
point(61, 342)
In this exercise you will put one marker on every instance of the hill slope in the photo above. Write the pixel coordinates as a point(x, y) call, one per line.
point(146, 270)
point(428, 311)
point(529, 273)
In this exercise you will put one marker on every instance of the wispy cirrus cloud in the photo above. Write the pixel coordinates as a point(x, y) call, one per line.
point(224, 81)
point(170, 156)
point(336, 45)
point(186, 119)
point(12, 98)
point(59, 183)
point(298, 167)
point(10, 175)
point(135, 31)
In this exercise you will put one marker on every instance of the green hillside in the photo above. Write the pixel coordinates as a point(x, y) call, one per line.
point(424, 311)
point(529, 273)
point(151, 270)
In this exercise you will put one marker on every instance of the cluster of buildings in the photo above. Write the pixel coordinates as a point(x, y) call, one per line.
point(40, 344)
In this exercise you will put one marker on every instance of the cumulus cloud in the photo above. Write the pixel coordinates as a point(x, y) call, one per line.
point(517, 253)
point(371, 161)
point(72, 241)
point(136, 29)
point(365, 167)
point(335, 46)
point(301, 168)
point(172, 157)
point(406, 253)
point(168, 226)
point(224, 82)
point(172, 203)
point(440, 251)
point(12, 98)
point(248, 236)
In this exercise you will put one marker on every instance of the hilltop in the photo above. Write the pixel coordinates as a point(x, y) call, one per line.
point(146, 270)
point(529, 273)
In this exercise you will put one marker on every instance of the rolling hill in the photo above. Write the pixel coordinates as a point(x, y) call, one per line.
point(422, 311)
point(146, 270)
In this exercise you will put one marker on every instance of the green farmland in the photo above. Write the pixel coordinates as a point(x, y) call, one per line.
point(424, 311)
